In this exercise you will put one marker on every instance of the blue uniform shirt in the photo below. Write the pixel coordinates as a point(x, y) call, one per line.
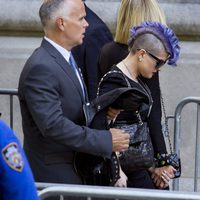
point(16, 179)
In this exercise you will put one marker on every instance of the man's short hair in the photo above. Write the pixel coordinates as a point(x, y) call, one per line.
point(48, 9)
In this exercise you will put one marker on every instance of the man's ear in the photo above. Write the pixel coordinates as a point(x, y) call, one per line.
point(60, 23)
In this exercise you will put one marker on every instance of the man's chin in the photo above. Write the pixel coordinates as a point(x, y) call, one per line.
point(80, 42)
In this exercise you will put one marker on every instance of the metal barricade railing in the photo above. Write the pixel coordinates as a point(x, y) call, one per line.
point(115, 193)
point(177, 129)
point(177, 134)
point(10, 93)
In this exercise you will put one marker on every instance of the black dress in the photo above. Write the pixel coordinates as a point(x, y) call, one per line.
point(111, 54)
point(140, 178)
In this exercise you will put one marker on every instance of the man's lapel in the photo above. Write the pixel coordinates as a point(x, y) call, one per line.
point(59, 59)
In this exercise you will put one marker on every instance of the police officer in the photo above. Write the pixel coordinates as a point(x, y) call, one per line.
point(16, 179)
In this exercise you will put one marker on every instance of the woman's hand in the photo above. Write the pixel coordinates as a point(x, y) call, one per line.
point(162, 175)
point(166, 177)
point(122, 181)
point(112, 113)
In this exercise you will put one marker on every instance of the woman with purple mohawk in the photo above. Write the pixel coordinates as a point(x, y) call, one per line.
point(151, 45)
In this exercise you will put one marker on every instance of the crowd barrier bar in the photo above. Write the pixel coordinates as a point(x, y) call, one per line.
point(177, 129)
point(177, 136)
point(115, 193)
point(10, 93)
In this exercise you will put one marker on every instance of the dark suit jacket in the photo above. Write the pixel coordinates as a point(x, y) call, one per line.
point(97, 34)
point(51, 104)
point(112, 53)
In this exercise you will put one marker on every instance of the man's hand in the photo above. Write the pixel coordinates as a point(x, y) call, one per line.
point(120, 140)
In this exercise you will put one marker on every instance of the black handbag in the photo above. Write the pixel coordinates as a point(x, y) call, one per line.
point(168, 159)
point(97, 170)
point(140, 154)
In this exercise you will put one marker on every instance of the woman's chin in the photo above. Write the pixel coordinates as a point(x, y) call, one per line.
point(148, 76)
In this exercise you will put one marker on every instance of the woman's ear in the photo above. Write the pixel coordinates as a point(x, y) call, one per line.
point(141, 54)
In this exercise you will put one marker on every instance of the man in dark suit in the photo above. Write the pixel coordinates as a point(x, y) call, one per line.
point(52, 94)
point(86, 55)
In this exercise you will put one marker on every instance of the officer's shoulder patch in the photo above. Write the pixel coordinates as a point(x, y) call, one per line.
point(13, 157)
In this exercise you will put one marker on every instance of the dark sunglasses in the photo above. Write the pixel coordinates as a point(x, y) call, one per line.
point(159, 62)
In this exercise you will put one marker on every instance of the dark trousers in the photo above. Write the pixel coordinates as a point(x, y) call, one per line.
point(140, 179)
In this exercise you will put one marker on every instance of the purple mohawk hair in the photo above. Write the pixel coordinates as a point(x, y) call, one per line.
point(162, 32)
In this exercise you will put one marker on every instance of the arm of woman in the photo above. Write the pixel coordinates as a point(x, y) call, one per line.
point(160, 175)
point(154, 120)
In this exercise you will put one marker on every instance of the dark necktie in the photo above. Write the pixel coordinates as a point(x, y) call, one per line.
point(74, 66)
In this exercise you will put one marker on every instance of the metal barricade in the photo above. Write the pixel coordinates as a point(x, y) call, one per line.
point(115, 193)
point(10, 93)
point(177, 134)
point(177, 129)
